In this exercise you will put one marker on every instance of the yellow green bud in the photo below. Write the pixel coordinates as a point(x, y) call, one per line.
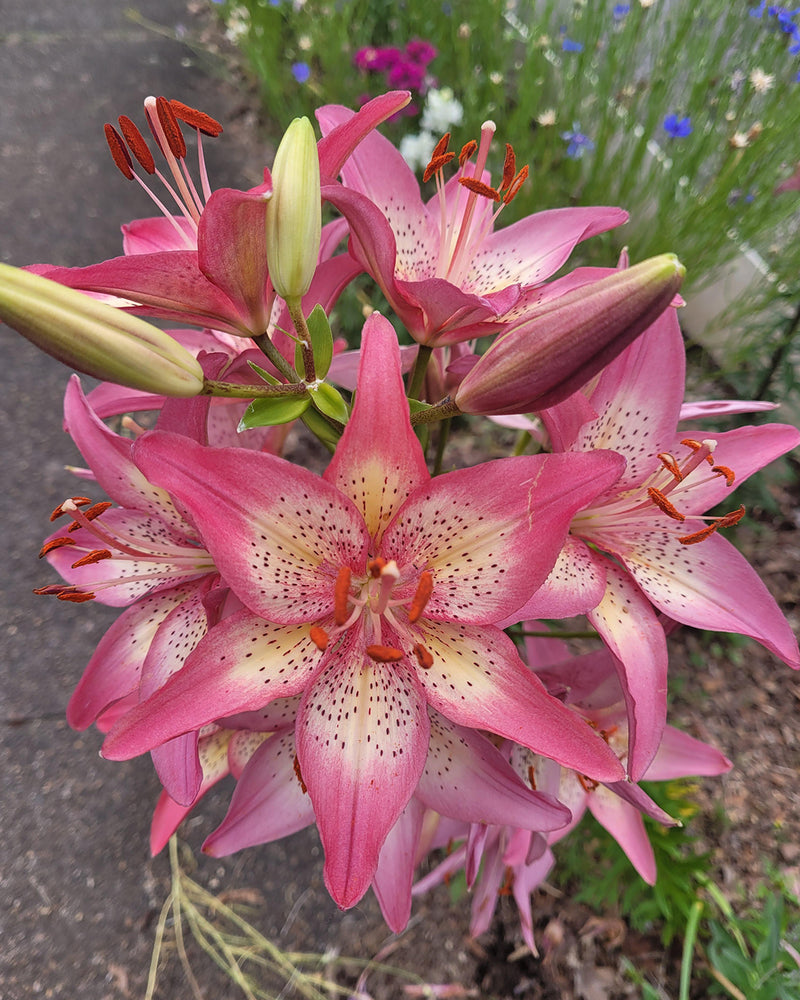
point(96, 338)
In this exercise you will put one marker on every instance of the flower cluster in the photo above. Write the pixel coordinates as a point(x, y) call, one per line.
point(405, 68)
point(351, 647)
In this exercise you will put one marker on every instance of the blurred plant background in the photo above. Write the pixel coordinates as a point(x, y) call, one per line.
point(683, 113)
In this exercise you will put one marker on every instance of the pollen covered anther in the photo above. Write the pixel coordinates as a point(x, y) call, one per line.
point(73, 501)
point(75, 596)
point(421, 596)
point(663, 504)
point(723, 470)
point(341, 592)
point(55, 543)
point(516, 184)
point(670, 463)
point(319, 637)
point(423, 655)
point(478, 187)
point(298, 774)
point(135, 140)
point(384, 654)
point(172, 130)
point(196, 119)
point(91, 513)
point(119, 152)
point(509, 168)
point(95, 556)
point(467, 150)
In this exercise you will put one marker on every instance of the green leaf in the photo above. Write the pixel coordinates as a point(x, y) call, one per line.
point(275, 410)
point(321, 428)
point(328, 401)
point(321, 344)
point(264, 374)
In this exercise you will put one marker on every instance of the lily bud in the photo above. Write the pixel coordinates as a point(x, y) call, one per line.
point(96, 338)
point(569, 339)
point(294, 214)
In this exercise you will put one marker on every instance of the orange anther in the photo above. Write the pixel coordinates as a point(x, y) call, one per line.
point(298, 774)
point(663, 504)
point(507, 887)
point(723, 470)
point(119, 153)
point(691, 443)
point(671, 465)
point(532, 776)
point(172, 130)
point(441, 146)
point(319, 637)
point(196, 119)
point(515, 185)
point(478, 187)
point(466, 151)
point(77, 501)
point(341, 592)
point(51, 590)
point(509, 167)
point(136, 144)
point(75, 596)
point(92, 512)
point(699, 536)
point(423, 655)
point(55, 543)
point(587, 784)
point(421, 596)
point(385, 654)
point(734, 517)
point(436, 164)
point(95, 556)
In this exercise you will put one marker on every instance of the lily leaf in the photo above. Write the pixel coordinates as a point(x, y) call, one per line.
point(321, 343)
point(328, 401)
point(267, 412)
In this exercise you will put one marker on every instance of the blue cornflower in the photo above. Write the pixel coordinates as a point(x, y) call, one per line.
point(578, 142)
point(301, 71)
point(758, 11)
point(677, 128)
point(620, 11)
point(794, 47)
point(567, 45)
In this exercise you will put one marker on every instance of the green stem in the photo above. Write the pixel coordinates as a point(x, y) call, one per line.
point(443, 410)
point(418, 373)
point(266, 347)
point(211, 387)
point(523, 440)
point(444, 434)
point(300, 325)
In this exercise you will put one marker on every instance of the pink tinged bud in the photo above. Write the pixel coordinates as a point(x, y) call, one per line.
point(569, 339)
point(294, 213)
point(96, 338)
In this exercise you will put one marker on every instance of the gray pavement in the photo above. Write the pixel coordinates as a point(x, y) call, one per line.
point(78, 892)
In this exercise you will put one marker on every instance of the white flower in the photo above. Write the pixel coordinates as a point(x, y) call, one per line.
point(496, 78)
point(761, 81)
point(547, 117)
point(416, 149)
point(739, 140)
point(442, 111)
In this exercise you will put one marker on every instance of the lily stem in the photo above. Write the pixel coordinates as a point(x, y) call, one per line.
point(418, 372)
point(266, 347)
point(443, 410)
point(300, 325)
point(211, 387)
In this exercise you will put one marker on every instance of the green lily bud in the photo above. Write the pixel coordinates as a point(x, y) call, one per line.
point(294, 213)
point(567, 340)
point(96, 338)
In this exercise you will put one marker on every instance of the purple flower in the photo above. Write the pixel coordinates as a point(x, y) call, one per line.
point(620, 11)
point(578, 142)
point(567, 45)
point(420, 51)
point(406, 75)
point(677, 128)
point(301, 71)
point(376, 60)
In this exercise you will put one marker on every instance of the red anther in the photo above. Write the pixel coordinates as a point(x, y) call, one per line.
point(51, 590)
point(137, 145)
point(691, 443)
point(119, 151)
point(441, 146)
point(467, 150)
point(423, 655)
point(478, 187)
point(375, 566)
point(341, 592)
point(75, 596)
point(671, 465)
point(734, 517)
point(608, 733)
point(515, 185)
point(587, 784)
point(509, 167)
point(436, 163)
point(663, 504)
point(196, 119)
point(95, 556)
point(723, 470)
point(172, 130)
point(78, 501)
point(298, 774)
point(319, 637)
point(421, 597)
point(91, 513)
point(55, 543)
point(532, 776)
point(385, 654)
point(699, 536)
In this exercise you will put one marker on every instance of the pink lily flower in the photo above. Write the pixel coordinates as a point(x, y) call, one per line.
point(444, 271)
point(644, 543)
point(373, 592)
point(224, 284)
